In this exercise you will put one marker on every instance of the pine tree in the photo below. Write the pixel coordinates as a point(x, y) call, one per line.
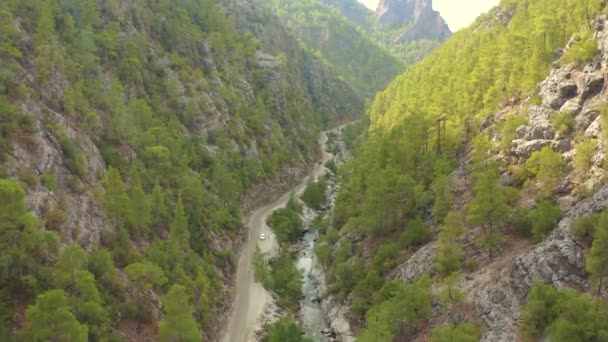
point(115, 197)
point(448, 249)
point(488, 209)
point(51, 319)
point(139, 211)
point(548, 167)
point(463, 332)
point(597, 261)
point(179, 234)
point(158, 207)
point(179, 324)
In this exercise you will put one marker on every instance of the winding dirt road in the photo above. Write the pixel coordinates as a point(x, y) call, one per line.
point(251, 297)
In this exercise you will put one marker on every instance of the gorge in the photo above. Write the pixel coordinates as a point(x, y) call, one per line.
point(410, 184)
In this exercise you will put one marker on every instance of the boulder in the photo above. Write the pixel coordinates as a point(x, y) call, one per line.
point(542, 131)
point(593, 83)
point(522, 131)
point(572, 106)
point(585, 118)
point(594, 130)
point(524, 149)
point(558, 88)
point(562, 145)
point(506, 179)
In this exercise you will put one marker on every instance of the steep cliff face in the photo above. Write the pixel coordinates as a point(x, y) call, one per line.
point(129, 124)
point(416, 19)
point(478, 209)
point(353, 10)
point(326, 33)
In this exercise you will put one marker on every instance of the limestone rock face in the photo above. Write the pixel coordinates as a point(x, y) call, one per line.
point(419, 17)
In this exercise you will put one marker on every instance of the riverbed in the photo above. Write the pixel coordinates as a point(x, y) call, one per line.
point(251, 300)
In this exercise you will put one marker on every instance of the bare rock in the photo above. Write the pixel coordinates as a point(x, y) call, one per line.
point(524, 149)
point(572, 106)
point(522, 131)
point(593, 83)
point(585, 118)
point(422, 261)
point(594, 130)
point(506, 179)
point(558, 88)
point(562, 145)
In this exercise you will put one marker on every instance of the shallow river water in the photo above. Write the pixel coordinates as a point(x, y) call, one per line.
point(313, 318)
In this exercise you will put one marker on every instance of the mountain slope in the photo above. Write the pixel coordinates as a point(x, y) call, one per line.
point(447, 213)
point(408, 28)
point(415, 18)
point(132, 134)
point(355, 11)
point(329, 35)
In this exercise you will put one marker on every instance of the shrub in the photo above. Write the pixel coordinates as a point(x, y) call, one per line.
point(581, 52)
point(416, 234)
point(55, 219)
point(463, 332)
point(521, 222)
point(49, 181)
point(583, 228)
point(27, 176)
point(75, 160)
point(315, 194)
point(548, 167)
point(563, 122)
point(286, 224)
point(509, 130)
point(544, 218)
point(584, 153)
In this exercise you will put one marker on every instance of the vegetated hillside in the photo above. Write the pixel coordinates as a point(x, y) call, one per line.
point(355, 11)
point(471, 185)
point(332, 37)
point(408, 28)
point(131, 135)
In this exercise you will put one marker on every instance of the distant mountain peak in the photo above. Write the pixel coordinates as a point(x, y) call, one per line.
point(421, 19)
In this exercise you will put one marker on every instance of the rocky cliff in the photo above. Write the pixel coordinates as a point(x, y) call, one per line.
point(477, 183)
point(128, 112)
point(415, 19)
point(499, 288)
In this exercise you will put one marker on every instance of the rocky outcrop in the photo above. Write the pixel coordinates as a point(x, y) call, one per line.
point(400, 12)
point(429, 25)
point(335, 311)
point(558, 260)
point(417, 16)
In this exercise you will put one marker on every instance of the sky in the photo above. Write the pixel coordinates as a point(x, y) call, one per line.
point(458, 13)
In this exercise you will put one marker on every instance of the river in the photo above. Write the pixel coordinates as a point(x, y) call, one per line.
point(312, 316)
point(251, 298)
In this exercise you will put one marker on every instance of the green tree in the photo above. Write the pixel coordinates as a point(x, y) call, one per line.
point(548, 167)
point(139, 214)
point(179, 324)
point(25, 251)
point(544, 218)
point(179, 234)
point(442, 191)
point(449, 255)
point(463, 332)
point(51, 319)
point(597, 261)
point(145, 275)
point(158, 207)
point(406, 306)
point(314, 194)
point(584, 153)
point(285, 329)
point(488, 209)
point(115, 197)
